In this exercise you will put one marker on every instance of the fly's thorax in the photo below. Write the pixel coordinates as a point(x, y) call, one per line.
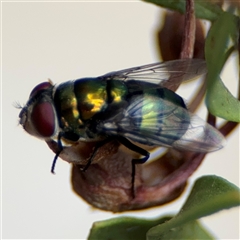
point(95, 94)
point(79, 104)
point(91, 95)
point(76, 103)
point(39, 117)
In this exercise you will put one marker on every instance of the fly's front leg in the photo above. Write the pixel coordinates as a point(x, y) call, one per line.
point(60, 148)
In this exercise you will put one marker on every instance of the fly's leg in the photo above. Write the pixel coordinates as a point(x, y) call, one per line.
point(136, 149)
point(60, 148)
point(98, 145)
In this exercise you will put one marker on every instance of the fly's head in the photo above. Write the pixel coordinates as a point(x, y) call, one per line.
point(38, 117)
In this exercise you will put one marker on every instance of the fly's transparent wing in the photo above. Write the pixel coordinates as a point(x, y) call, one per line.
point(149, 121)
point(158, 73)
point(200, 137)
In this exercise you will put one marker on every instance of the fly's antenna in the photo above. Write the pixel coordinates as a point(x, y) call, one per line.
point(17, 105)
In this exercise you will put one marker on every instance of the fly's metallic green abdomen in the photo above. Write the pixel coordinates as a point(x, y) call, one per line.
point(152, 116)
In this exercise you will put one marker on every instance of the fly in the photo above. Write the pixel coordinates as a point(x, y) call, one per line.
point(131, 106)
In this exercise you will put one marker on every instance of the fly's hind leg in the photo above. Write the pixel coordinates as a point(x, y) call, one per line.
point(136, 149)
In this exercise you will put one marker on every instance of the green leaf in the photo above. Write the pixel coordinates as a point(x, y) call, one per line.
point(220, 102)
point(203, 9)
point(129, 228)
point(209, 194)
point(221, 41)
point(123, 228)
point(191, 230)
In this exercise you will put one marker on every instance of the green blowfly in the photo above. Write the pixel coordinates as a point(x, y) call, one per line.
point(131, 106)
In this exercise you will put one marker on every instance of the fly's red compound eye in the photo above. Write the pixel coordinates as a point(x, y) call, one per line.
point(39, 87)
point(43, 119)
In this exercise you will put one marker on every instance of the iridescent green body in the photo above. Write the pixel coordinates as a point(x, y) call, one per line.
point(130, 105)
point(91, 109)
